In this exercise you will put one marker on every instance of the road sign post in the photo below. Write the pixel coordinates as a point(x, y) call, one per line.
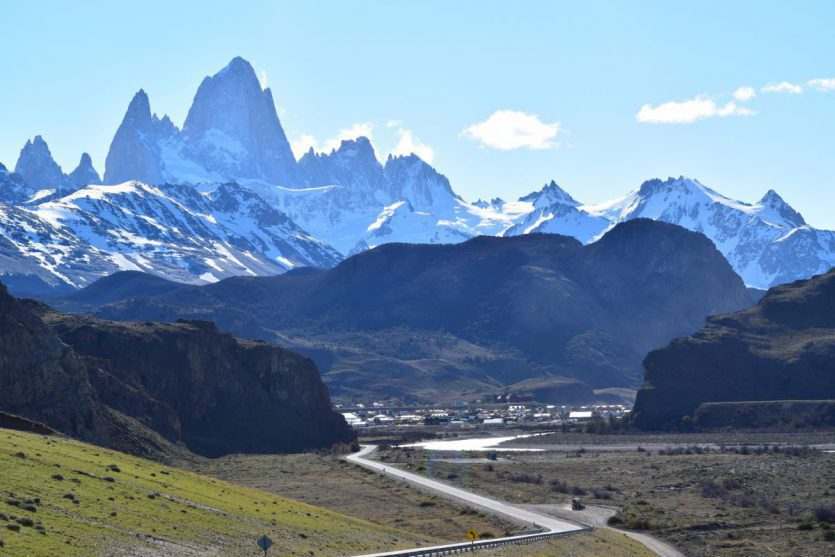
point(265, 543)
point(472, 534)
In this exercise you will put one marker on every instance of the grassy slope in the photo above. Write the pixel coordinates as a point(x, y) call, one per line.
point(149, 508)
point(593, 544)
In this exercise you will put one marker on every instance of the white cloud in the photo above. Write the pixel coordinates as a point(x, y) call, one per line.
point(394, 124)
point(511, 129)
point(262, 79)
point(822, 84)
point(745, 94)
point(304, 142)
point(689, 111)
point(409, 144)
point(782, 87)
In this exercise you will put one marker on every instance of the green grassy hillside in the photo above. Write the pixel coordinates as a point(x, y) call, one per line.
point(63, 497)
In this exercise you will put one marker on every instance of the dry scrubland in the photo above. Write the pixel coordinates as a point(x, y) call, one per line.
point(329, 482)
point(62, 497)
point(739, 501)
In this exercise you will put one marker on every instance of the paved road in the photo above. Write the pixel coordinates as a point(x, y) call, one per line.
point(598, 515)
point(516, 514)
point(595, 516)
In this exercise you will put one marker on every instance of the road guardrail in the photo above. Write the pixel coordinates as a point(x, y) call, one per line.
point(456, 548)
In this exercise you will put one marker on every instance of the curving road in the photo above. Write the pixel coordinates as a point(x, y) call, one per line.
point(516, 514)
point(527, 516)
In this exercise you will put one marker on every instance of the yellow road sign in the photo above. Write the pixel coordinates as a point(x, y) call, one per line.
point(472, 534)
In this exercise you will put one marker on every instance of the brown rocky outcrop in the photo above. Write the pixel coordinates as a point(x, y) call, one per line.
point(186, 381)
point(782, 349)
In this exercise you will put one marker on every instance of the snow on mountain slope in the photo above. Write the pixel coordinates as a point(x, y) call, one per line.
point(346, 199)
point(767, 242)
point(353, 202)
point(13, 188)
point(554, 211)
point(171, 231)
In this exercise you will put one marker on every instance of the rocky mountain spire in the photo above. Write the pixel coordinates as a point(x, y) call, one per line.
point(233, 129)
point(134, 151)
point(84, 173)
point(37, 166)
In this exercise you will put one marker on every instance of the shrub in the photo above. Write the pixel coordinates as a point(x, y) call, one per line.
point(730, 483)
point(805, 525)
point(25, 521)
point(13, 527)
point(825, 513)
point(426, 503)
point(828, 536)
point(559, 486)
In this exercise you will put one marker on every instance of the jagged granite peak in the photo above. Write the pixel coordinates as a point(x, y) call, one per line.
point(135, 150)
point(38, 168)
point(232, 128)
point(84, 174)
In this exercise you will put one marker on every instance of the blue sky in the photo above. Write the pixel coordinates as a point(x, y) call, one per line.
point(595, 95)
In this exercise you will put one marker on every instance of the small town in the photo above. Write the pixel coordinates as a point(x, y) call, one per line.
point(379, 415)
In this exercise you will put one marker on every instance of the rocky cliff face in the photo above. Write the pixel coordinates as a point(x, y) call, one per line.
point(194, 384)
point(782, 349)
point(41, 377)
point(187, 381)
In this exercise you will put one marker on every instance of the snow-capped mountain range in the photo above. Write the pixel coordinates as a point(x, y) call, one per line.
point(225, 196)
point(766, 242)
point(174, 231)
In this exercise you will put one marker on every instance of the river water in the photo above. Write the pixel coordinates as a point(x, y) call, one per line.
point(477, 444)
